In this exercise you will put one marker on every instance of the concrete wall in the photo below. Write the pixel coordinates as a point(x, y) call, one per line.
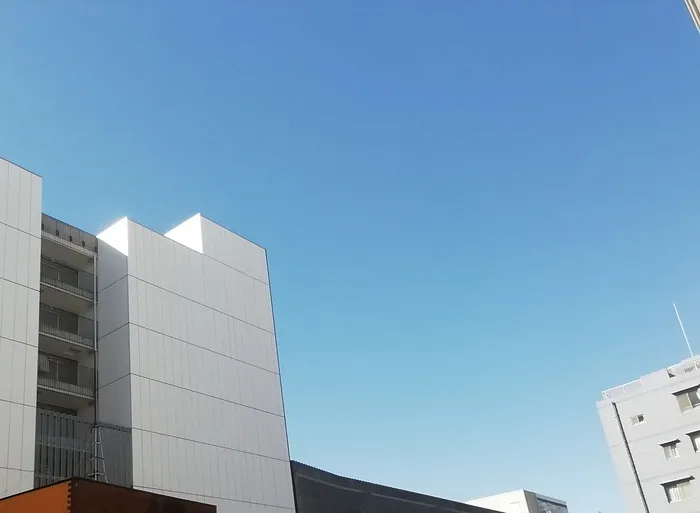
point(20, 256)
point(113, 371)
point(198, 361)
point(663, 422)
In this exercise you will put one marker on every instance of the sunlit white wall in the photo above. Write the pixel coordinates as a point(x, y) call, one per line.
point(198, 360)
point(20, 257)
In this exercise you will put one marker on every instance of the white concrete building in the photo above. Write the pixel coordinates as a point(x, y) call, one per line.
point(145, 359)
point(521, 501)
point(652, 427)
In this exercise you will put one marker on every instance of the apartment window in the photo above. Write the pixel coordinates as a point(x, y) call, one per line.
point(671, 450)
point(678, 490)
point(695, 440)
point(688, 399)
point(637, 419)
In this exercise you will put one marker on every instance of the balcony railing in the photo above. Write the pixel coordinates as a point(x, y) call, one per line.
point(63, 375)
point(64, 449)
point(624, 390)
point(58, 229)
point(59, 324)
point(80, 283)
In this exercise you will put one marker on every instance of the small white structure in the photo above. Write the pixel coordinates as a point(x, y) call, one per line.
point(521, 501)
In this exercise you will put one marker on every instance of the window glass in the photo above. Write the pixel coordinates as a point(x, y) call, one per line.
point(683, 402)
point(671, 450)
point(694, 397)
point(695, 439)
point(678, 491)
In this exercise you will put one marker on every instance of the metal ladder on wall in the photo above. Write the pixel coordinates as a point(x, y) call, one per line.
point(97, 458)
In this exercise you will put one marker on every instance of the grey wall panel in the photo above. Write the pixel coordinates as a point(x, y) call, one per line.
point(112, 309)
point(114, 405)
point(111, 265)
point(113, 358)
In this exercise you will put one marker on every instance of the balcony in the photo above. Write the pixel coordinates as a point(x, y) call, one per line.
point(65, 287)
point(62, 233)
point(64, 376)
point(63, 449)
point(61, 326)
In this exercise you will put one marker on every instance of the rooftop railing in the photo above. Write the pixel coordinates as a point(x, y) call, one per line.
point(624, 390)
point(80, 283)
point(55, 228)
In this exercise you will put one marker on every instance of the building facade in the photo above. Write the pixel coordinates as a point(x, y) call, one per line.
point(137, 358)
point(521, 501)
point(318, 491)
point(652, 426)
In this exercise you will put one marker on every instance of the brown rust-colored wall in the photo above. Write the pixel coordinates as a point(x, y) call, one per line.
point(91, 497)
point(84, 496)
point(50, 499)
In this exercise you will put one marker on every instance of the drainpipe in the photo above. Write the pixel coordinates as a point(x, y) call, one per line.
point(630, 458)
point(94, 329)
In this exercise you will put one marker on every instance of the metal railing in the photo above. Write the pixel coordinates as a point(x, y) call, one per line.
point(57, 323)
point(63, 449)
point(623, 390)
point(81, 283)
point(55, 228)
point(64, 375)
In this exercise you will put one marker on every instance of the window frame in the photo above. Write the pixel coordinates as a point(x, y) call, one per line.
point(638, 419)
point(694, 437)
point(693, 401)
point(684, 487)
point(670, 449)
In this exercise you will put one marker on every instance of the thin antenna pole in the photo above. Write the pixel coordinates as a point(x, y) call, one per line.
point(683, 330)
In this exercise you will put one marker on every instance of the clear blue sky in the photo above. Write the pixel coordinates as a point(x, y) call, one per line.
point(477, 212)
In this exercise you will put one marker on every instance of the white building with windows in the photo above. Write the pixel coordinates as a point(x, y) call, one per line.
point(652, 426)
point(137, 358)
